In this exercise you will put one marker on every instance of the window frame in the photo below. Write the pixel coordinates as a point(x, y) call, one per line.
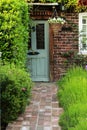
point(81, 15)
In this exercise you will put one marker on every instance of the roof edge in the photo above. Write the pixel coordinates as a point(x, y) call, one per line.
point(44, 4)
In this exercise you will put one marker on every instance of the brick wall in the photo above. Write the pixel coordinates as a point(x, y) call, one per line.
point(63, 42)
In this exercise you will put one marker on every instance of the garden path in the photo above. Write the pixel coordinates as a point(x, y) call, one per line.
point(43, 112)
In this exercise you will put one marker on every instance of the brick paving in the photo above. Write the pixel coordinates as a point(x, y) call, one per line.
point(42, 113)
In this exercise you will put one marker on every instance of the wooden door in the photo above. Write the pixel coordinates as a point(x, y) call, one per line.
point(38, 56)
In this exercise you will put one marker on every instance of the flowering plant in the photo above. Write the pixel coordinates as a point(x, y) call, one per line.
point(56, 20)
point(86, 67)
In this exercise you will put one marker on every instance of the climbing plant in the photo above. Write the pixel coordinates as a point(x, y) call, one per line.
point(78, 5)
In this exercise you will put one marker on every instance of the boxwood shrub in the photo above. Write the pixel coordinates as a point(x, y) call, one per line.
point(15, 85)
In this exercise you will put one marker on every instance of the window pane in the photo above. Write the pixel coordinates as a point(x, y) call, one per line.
point(84, 33)
point(84, 21)
point(40, 36)
point(84, 41)
point(84, 28)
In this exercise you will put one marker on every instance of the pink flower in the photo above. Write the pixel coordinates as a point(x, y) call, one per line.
point(24, 89)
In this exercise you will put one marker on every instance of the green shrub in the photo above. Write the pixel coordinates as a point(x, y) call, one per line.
point(14, 19)
point(15, 86)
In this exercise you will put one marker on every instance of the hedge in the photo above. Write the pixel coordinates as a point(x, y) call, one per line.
point(14, 19)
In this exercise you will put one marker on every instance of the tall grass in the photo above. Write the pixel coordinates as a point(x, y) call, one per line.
point(82, 125)
point(72, 95)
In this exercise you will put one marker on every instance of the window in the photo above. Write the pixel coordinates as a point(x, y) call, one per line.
point(83, 33)
point(40, 36)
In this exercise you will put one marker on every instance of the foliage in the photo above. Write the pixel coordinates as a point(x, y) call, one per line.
point(15, 86)
point(14, 20)
point(75, 5)
point(70, 118)
point(72, 95)
point(72, 58)
point(81, 125)
point(80, 60)
point(15, 83)
point(70, 89)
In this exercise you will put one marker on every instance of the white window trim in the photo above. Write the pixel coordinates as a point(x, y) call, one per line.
point(84, 52)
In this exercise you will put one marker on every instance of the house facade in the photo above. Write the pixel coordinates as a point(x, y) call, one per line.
point(54, 45)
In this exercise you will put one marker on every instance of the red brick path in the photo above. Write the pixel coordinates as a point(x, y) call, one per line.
point(42, 113)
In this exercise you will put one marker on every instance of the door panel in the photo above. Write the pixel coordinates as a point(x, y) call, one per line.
point(39, 63)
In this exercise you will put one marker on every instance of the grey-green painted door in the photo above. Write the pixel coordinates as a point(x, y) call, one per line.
point(39, 63)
